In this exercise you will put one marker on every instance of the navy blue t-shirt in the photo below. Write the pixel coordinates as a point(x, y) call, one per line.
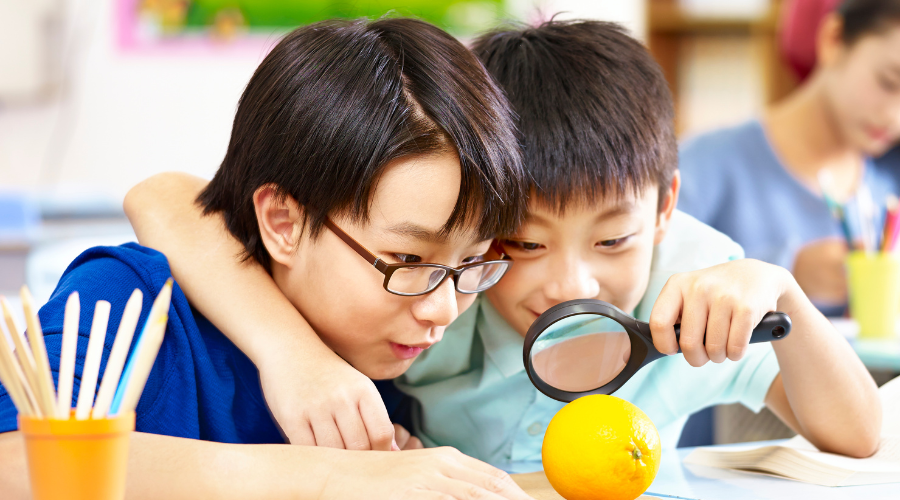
point(201, 385)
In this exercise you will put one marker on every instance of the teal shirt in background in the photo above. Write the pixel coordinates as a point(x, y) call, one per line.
point(472, 392)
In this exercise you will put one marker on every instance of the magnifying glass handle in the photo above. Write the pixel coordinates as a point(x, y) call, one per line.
point(774, 326)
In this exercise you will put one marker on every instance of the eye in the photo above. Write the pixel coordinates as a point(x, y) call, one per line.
point(473, 260)
point(615, 243)
point(405, 258)
point(524, 246)
point(887, 84)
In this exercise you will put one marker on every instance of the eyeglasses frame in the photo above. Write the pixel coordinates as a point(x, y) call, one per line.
point(389, 269)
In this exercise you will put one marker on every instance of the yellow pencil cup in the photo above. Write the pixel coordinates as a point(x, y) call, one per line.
point(874, 281)
point(77, 459)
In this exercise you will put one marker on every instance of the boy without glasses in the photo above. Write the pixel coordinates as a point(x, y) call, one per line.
point(596, 123)
point(596, 119)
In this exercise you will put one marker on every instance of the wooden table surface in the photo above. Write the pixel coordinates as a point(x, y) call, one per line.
point(536, 485)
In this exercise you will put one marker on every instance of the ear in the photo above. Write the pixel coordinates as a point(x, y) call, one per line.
point(278, 221)
point(667, 208)
point(830, 46)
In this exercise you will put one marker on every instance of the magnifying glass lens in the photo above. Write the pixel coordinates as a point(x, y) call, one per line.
point(581, 353)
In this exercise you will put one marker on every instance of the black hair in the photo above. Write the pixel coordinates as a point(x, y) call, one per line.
point(335, 101)
point(865, 17)
point(594, 111)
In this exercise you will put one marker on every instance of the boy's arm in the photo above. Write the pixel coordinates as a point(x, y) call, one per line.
point(316, 397)
point(823, 392)
point(176, 468)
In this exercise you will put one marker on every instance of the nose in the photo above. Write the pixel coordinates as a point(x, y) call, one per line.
point(572, 278)
point(438, 308)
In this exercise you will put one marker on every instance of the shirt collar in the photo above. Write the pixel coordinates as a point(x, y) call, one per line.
point(501, 342)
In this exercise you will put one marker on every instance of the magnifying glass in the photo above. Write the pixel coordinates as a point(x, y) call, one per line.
point(587, 346)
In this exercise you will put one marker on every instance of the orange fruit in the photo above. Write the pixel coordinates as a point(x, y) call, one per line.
point(601, 448)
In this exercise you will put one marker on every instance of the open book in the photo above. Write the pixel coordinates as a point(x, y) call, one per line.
point(800, 460)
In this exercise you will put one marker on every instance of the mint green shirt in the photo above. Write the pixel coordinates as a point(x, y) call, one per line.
point(473, 392)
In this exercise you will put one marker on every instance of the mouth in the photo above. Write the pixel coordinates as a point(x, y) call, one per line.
point(403, 351)
point(879, 134)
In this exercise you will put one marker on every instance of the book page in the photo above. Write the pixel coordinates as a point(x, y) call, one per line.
point(890, 405)
point(886, 459)
point(889, 449)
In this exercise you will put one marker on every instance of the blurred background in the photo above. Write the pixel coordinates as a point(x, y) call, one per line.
point(96, 95)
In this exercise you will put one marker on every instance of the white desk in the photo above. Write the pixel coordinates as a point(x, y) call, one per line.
point(677, 480)
point(698, 482)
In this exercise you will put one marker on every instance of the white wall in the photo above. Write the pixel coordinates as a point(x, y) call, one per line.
point(118, 116)
point(630, 13)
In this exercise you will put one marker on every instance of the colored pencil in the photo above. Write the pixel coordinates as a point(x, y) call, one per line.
point(143, 364)
point(117, 357)
point(26, 373)
point(894, 221)
point(10, 378)
point(866, 213)
point(67, 356)
point(26, 360)
point(45, 391)
point(92, 360)
point(159, 308)
point(838, 212)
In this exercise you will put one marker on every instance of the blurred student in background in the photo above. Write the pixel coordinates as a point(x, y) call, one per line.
point(763, 182)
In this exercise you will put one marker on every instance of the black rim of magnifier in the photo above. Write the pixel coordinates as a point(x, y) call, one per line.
point(774, 326)
point(640, 345)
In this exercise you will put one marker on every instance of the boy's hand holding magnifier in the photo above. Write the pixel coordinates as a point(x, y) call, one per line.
point(588, 346)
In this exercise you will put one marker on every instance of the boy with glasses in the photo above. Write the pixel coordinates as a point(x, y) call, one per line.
point(392, 130)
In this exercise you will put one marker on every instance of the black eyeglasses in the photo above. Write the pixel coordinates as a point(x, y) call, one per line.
point(419, 278)
point(587, 346)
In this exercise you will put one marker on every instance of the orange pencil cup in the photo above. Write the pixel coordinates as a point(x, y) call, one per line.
point(77, 459)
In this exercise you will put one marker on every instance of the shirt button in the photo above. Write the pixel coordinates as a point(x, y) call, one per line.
point(535, 429)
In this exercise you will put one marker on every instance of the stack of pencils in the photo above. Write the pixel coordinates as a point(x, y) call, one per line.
point(859, 224)
point(891, 225)
point(26, 372)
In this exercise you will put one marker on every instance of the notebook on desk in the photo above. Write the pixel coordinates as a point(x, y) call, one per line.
point(798, 459)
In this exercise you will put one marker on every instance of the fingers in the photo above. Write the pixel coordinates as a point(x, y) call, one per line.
point(401, 436)
point(352, 429)
point(717, 332)
point(301, 434)
point(414, 443)
point(472, 480)
point(743, 320)
point(376, 420)
point(664, 315)
point(406, 441)
point(464, 490)
point(326, 432)
point(694, 319)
